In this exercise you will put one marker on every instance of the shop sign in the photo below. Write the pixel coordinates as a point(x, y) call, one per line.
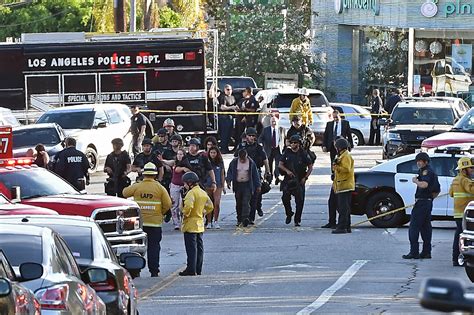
point(367, 5)
point(462, 58)
point(430, 8)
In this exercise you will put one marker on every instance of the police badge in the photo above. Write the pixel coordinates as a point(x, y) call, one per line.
point(425, 172)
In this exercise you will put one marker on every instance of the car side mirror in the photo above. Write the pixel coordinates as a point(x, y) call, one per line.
point(444, 295)
point(134, 262)
point(15, 194)
point(5, 287)
point(94, 275)
point(102, 124)
point(31, 271)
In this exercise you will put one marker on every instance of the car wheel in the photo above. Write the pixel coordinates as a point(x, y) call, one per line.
point(357, 138)
point(383, 202)
point(469, 271)
point(93, 158)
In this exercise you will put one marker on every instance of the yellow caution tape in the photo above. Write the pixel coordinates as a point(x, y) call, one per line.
point(388, 213)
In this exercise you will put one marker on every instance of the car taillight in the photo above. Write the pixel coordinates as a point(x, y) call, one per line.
point(87, 297)
point(16, 162)
point(108, 285)
point(53, 298)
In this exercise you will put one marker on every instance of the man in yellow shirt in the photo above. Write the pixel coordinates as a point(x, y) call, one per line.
point(196, 204)
point(462, 190)
point(154, 202)
point(301, 106)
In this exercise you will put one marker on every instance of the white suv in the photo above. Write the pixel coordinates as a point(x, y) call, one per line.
point(93, 126)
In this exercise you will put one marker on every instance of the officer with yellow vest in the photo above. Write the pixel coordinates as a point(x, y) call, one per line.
point(462, 190)
point(301, 106)
point(154, 203)
point(343, 185)
point(196, 205)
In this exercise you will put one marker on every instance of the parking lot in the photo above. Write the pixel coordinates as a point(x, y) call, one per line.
point(277, 268)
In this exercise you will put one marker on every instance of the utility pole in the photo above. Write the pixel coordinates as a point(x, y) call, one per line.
point(119, 15)
point(133, 16)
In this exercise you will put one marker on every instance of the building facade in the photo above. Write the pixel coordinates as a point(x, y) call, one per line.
point(425, 43)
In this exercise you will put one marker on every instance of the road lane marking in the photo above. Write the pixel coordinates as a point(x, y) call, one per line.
point(329, 292)
point(169, 280)
point(390, 231)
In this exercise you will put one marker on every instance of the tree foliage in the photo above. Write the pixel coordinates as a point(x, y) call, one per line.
point(263, 38)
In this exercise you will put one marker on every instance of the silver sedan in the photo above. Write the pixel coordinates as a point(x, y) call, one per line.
point(359, 119)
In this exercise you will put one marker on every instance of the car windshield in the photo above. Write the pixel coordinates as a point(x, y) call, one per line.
point(78, 238)
point(284, 100)
point(425, 115)
point(30, 248)
point(31, 137)
point(466, 123)
point(69, 120)
point(36, 182)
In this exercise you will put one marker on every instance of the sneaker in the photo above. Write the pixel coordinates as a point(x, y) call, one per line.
point(329, 226)
point(238, 224)
point(216, 225)
point(339, 231)
point(155, 274)
point(187, 273)
point(297, 224)
point(212, 225)
point(411, 256)
point(251, 222)
point(206, 226)
point(425, 255)
point(260, 212)
point(176, 228)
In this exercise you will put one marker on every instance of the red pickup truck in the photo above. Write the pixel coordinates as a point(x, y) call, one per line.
point(9, 208)
point(119, 218)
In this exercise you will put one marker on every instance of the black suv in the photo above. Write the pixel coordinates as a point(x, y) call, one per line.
point(414, 120)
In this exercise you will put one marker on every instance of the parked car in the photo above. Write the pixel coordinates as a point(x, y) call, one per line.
point(388, 186)
point(466, 241)
point(91, 249)
point(49, 269)
point(93, 126)
point(281, 99)
point(414, 120)
point(27, 137)
point(359, 119)
point(42, 188)
point(15, 298)
point(462, 132)
point(7, 118)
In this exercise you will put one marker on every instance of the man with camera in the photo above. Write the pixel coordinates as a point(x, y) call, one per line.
point(296, 165)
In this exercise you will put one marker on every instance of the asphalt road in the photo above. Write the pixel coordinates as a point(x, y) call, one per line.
point(277, 268)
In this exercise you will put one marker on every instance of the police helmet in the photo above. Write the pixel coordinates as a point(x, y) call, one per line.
point(190, 178)
point(147, 141)
point(195, 141)
point(422, 156)
point(251, 131)
point(168, 122)
point(464, 162)
point(150, 169)
point(341, 144)
point(176, 137)
point(117, 141)
point(295, 138)
point(162, 131)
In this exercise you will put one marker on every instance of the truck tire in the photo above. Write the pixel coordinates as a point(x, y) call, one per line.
point(384, 202)
point(469, 271)
point(93, 158)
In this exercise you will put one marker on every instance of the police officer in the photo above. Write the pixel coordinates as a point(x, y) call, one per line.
point(427, 188)
point(296, 166)
point(169, 125)
point(117, 166)
point(72, 165)
point(144, 157)
point(137, 129)
point(154, 203)
point(196, 205)
point(200, 164)
point(343, 185)
point(306, 134)
point(462, 190)
point(257, 154)
point(160, 141)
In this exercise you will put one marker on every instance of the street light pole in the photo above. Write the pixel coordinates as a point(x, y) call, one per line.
point(133, 16)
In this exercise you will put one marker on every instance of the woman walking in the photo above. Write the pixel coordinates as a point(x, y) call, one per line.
point(215, 156)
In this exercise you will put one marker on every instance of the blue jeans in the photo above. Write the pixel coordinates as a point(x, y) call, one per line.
point(194, 251)
point(420, 223)
point(456, 239)
point(226, 126)
point(154, 247)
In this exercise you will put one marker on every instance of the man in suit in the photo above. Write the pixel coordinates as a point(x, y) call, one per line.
point(336, 129)
point(273, 141)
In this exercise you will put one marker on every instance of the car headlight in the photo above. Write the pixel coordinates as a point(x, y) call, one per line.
point(393, 136)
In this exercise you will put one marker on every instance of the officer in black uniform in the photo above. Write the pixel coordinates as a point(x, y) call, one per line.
point(306, 134)
point(147, 155)
point(257, 154)
point(72, 165)
point(427, 188)
point(117, 166)
point(200, 164)
point(160, 141)
point(296, 165)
